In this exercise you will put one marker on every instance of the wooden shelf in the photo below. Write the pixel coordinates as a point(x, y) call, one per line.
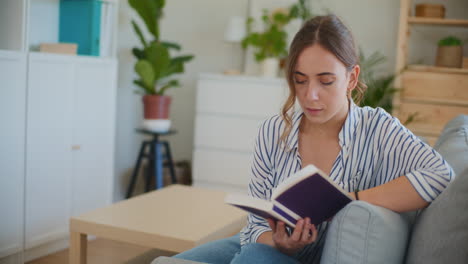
point(433, 101)
point(438, 21)
point(427, 68)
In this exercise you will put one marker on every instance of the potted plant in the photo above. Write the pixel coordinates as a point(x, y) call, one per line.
point(449, 52)
point(155, 65)
point(270, 45)
point(380, 89)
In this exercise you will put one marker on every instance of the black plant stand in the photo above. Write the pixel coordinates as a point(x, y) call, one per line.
point(155, 160)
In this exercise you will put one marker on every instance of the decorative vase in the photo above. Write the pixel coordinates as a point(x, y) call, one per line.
point(269, 67)
point(156, 113)
point(449, 56)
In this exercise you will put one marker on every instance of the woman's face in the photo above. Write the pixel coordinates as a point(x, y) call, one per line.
point(322, 83)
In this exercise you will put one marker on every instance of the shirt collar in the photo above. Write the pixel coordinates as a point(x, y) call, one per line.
point(346, 133)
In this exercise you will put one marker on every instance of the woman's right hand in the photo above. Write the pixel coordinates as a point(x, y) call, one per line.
point(304, 234)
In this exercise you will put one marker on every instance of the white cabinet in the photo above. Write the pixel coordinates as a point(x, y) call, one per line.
point(49, 134)
point(70, 141)
point(12, 146)
point(93, 135)
point(229, 110)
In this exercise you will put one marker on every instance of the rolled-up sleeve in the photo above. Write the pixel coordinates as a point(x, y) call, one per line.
point(260, 172)
point(406, 155)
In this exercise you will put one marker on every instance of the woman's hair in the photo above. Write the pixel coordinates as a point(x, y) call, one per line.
point(330, 33)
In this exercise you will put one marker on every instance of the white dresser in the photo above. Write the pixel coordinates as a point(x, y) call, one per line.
point(229, 110)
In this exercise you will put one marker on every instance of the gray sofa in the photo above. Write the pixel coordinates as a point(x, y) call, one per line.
point(364, 233)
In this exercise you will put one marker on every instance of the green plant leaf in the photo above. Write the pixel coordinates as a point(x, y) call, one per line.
point(450, 41)
point(176, 65)
point(145, 70)
point(294, 11)
point(182, 59)
point(412, 117)
point(150, 11)
point(280, 19)
point(160, 3)
point(171, 45)
point(141, 85)
point(158, 56)
point(137, 30)
point(172, 83)
point(138, 53)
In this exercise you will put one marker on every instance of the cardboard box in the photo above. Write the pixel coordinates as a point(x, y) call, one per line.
point(62, 48)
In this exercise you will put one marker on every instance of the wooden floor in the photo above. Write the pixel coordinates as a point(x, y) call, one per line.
point(103, 251)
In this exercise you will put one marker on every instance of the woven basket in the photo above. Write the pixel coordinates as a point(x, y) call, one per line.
point(430, 10)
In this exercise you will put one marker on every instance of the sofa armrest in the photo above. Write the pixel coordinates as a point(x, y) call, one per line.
point(365, 233)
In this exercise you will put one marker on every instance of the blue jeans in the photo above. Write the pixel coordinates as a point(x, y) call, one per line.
point(228, 250)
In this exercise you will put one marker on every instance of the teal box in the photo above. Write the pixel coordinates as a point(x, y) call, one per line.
point(80, 23)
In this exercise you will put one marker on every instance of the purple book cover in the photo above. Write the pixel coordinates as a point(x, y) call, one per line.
point(314, 197)
point(256, 211)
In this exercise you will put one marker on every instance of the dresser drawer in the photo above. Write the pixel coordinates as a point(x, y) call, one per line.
point(240, 96)
point(430, 118)
point(435, 87)
point(226, 132)
point(221, 167)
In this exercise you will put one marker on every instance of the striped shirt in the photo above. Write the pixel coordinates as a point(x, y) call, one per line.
point(375, 149)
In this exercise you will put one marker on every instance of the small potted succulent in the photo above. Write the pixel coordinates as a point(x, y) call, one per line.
point(155, 66)
point(449, 52)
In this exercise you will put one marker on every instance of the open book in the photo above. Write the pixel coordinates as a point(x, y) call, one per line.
point(307, 193)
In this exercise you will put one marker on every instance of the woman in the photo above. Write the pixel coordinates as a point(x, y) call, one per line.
point(365, 150)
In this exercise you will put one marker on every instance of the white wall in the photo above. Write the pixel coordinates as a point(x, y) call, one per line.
point(374, 24)
point(199, 26)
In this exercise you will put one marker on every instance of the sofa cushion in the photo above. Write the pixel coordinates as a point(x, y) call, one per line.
point(440, 233)
point(365, 233)
point(453, 143)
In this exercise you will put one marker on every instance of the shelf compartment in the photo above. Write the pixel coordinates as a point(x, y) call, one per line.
point(12, 25)
point(430, 119)
point(435, 88)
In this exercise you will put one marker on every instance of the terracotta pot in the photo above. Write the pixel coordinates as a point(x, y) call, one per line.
point(156, 106)
point(449, 56)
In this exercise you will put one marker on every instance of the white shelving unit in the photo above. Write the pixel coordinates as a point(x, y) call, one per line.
point(58, 129)
point(24, 24)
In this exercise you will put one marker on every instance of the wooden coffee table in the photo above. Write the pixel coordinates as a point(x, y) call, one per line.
point(175, 218)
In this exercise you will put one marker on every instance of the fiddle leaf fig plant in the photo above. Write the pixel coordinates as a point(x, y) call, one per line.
point(155, 65)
